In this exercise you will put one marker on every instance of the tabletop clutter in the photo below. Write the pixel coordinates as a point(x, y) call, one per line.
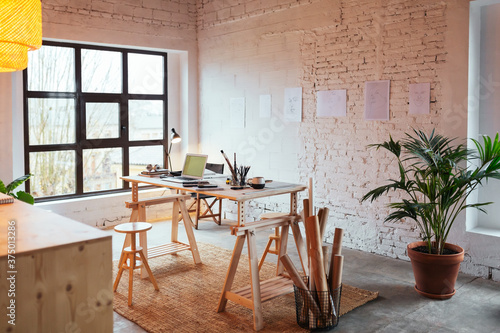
point(238, 173)
point(318, 296)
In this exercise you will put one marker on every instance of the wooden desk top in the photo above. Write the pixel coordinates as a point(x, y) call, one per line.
point(271, 189)
point(38, 229)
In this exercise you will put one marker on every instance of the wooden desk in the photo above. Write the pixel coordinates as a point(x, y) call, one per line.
point(251, 296)
point(240, 196)
point(62, 272)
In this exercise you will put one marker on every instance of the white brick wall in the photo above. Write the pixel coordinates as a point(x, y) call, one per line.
point(253, 47)
point(159, 14)
point(266, 46)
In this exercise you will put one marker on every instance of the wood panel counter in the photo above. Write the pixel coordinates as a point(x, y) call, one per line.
point(57, 273)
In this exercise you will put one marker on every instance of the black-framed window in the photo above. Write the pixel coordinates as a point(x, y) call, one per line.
point(91, 115)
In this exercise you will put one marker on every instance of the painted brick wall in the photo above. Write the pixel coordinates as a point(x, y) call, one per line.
point(131, 14)
point(250, 48)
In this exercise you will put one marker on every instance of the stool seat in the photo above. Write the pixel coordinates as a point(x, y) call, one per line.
point(133, 257)
point(133, 227)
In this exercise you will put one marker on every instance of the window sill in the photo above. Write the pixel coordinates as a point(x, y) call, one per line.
point(125, 195)
point(485, 231)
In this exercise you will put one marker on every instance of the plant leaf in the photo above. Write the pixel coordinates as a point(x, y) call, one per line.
point(16, 182)
point(26, 197)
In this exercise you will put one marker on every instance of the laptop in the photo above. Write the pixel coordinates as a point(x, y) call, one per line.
point(193, 169)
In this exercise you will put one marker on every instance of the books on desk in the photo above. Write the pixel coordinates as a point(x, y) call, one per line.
point(217, 188)
point(6, 199)
point(186, 183)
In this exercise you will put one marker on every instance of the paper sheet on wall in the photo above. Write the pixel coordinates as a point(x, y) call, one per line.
point(377, 100)
point(293, 104)
point(420, 97)
point(331, 103)
point(265, 106)
point(237, 109)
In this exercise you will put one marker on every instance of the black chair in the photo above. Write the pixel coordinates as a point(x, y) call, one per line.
point(199, 198)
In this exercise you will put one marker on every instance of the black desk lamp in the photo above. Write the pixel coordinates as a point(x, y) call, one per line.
point(174, 138)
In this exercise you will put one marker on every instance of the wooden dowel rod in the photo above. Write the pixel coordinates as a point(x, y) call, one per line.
point(296, 278)
point(311, 196)
point(337, 241)
point(338, 263)
point(307, 211)
point(336, 248)
point(316, 254)
point(326, 258)
point(323, 221)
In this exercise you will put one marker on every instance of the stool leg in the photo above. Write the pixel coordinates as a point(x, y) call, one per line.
point(131, 277)
point(146, 265)
point(120, 272)
point(131, 268)
point(269, 242)
point(278, 248)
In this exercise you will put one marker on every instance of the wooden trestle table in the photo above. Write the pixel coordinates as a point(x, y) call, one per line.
point(258, 291)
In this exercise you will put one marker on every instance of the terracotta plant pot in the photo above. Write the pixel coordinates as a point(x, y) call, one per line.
point(435, 275)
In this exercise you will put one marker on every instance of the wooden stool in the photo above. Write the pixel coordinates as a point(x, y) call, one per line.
point(272, 238)
point(130, 254)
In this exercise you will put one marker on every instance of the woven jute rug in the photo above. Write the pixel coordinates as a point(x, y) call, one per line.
point(189, 295)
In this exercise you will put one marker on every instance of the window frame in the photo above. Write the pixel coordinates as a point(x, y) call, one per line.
point(81, 98)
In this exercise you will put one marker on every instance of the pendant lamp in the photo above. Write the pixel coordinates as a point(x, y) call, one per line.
point(20, 32)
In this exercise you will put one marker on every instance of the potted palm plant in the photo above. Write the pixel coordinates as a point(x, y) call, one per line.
point(436, 176)
point(20, 195)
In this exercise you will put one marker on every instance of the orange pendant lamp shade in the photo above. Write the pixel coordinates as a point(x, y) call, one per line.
point(20, 32)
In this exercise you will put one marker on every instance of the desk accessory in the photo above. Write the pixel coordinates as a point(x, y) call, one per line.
point(5, 199)
point(207, 185)
point(257, 182)
point(174, 138)
point(233, 173)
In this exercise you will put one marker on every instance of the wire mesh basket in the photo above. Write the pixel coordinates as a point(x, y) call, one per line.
point(323, 315)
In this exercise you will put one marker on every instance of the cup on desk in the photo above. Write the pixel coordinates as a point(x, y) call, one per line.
point(257, 182)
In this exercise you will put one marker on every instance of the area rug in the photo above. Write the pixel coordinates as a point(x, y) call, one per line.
point(189, 295)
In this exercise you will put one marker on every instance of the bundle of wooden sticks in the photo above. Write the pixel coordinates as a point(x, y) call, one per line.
point(321, 295)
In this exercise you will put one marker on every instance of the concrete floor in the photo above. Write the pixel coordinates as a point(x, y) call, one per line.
point(474, 308)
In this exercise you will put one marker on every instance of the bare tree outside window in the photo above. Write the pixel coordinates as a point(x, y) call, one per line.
point(83, 118)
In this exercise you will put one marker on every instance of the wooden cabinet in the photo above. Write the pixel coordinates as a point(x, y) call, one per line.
point(58, 277)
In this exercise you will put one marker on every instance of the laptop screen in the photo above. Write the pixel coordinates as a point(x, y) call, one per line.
point(194, 165)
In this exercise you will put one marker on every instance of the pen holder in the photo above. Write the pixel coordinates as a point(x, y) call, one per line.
point(235, 181)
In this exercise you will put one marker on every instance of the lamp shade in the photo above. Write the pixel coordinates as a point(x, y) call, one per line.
point(20, 32)
point(174, 137)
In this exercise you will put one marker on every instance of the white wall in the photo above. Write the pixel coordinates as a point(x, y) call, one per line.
point(249, 48)
point(246, 50)
point(167, 26)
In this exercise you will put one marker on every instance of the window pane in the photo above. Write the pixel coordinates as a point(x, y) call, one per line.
point(103, 120)
point(52, 68)
point(53, 173)
point(140, 157)
point(145, 74)
point(51, 120)
point(102, 169)
point(101, 71)
point(145, 120)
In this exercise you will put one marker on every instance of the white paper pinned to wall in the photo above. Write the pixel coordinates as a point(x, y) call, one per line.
point(237, 110)
point(420, 97)
point(377, 100)
point(293, 104)
point(331, 103)
point(265, 106)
